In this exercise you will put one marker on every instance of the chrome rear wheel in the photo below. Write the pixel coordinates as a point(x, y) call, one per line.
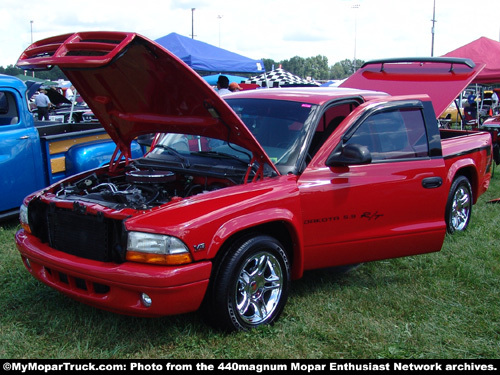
point(459, 205)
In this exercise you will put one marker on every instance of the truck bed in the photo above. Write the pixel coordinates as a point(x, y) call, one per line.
point(49, 128)
point(57, 139)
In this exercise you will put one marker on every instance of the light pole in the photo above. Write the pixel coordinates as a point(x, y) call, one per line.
point(432, 31)
point(192, 22)
point(355, 7)
point(219, 17)
point(31, 26)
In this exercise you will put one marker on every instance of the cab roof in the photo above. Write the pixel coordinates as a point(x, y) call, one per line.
point(311, 95)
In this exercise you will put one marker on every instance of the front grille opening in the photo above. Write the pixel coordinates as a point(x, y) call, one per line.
point(81, 235)
point(63, 278)
point(77, 233)
point(77, 282)
point(80, 283)
point(100, 288)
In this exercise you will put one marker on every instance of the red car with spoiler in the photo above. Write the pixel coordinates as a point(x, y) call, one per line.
point(242, 194)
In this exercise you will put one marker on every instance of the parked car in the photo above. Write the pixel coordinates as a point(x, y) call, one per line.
point(242, 194)
point(452, 115)
point(89, 117)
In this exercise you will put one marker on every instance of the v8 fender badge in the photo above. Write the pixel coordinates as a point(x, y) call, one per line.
point(199, 247)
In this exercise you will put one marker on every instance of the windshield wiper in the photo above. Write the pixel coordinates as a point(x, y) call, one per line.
point(173, 151)
point(220, 155)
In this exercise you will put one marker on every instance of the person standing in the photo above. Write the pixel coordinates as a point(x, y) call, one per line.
point(43, 104)
point(69, 94)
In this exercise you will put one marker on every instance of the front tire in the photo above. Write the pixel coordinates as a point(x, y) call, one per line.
point(459, 205)
point(251, 286)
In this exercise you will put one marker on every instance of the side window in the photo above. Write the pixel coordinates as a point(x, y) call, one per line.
point(396, 134)
point(329, 121)
point(8, 109)
point(4, 104)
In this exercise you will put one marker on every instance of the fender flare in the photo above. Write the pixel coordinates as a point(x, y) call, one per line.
point(246, 222)
point(464, 167)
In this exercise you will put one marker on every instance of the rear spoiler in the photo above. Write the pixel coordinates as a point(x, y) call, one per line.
point(444, 60)
point(441, 78)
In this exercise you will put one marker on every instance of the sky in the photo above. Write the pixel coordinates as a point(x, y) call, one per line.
point(271, 29)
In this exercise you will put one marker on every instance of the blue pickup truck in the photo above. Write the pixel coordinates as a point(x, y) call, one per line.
point(37, 154)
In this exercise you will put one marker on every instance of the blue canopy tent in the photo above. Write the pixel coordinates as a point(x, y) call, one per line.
point(204, 57)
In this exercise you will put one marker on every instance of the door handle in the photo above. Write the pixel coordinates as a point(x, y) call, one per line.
point(432, 182)
point(25, 137)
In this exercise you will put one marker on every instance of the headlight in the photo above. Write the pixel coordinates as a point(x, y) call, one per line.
point(23, 218)
point(157, 248)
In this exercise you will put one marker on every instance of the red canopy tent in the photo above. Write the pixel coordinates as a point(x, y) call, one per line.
point(482, 51)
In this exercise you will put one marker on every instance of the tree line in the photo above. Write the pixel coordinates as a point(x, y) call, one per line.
point(315, 67)
point(50, 75)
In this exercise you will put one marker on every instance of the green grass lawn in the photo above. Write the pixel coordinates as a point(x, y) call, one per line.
point(440, 305)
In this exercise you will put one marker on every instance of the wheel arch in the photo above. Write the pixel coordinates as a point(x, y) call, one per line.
point(470, 172)
point(282, 230)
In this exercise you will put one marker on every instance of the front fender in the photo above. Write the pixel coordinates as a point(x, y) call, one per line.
point(246, 222)
point(205, 221)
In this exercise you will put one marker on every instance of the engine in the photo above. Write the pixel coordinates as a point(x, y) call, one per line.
point(137, 189)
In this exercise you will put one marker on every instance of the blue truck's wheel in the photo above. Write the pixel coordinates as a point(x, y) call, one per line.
point(459, 205)
point(251, 286)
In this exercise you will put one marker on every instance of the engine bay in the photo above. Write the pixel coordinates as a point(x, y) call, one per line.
point(139, 189)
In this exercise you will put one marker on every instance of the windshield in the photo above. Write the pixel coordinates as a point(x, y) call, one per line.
point(279, 126)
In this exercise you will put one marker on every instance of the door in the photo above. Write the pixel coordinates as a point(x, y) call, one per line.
point(393, 206)
point(17, 158)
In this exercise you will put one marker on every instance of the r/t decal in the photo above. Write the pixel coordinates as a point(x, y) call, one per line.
point(371, 215)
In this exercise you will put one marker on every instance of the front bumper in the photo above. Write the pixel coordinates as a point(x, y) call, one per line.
point(117, 287)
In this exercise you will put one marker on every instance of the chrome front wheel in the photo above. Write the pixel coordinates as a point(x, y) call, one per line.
point(250, 285)
point(259, 288)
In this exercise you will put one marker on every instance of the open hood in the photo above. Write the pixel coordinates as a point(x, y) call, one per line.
point(443, 79)
point(134, 86)
point(55, 97)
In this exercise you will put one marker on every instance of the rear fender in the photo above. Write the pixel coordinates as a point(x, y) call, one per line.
point(464, 167)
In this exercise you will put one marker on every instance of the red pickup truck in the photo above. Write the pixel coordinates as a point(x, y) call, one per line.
point(240, 195)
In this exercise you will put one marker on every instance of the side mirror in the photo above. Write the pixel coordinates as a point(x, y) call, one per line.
point(352, 154)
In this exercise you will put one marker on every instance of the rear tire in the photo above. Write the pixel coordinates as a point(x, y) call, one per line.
point(459, 205)
point(251, 286)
